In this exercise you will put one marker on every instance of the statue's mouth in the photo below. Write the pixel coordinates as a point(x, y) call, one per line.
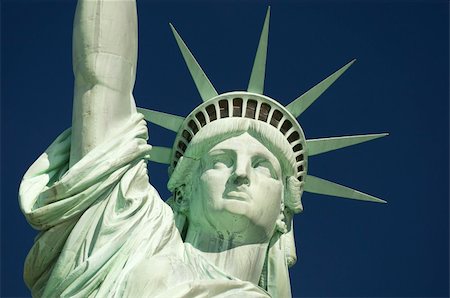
point(238, 195)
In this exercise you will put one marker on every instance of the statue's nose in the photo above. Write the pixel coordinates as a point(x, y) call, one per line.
point(241, 180)
point(241, 175)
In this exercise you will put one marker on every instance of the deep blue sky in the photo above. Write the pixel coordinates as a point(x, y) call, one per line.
point(399, 85)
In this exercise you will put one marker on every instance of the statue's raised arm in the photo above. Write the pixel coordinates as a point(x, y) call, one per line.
point(88, 194)
point(104, 65)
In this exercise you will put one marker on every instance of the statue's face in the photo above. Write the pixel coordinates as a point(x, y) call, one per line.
point(239, 191)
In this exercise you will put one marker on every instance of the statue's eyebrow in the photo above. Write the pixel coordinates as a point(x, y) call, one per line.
point(218, 152)
point(267, 157)
point(190, 157)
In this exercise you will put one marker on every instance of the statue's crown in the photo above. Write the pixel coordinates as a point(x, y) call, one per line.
point(240, 104)
point(252, 104)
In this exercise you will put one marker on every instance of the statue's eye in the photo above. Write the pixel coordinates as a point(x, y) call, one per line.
point(265, 167)
point(218, 161)
point(222, 161)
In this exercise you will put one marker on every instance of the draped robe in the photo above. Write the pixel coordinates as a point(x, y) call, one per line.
point(104, 230)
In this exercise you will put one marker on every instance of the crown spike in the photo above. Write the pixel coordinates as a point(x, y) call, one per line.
point(299, 105)
point(325, 187)
point(256, 83)
point(319, 146)
point(169, 121)
point(161, 154)
point(204, 86)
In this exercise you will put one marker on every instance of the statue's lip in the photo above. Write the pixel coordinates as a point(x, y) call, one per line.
point(238, 195)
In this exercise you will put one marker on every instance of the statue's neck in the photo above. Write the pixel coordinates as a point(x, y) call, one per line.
point(241, 260)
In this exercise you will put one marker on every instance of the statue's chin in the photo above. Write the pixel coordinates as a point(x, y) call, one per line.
point(236, 220)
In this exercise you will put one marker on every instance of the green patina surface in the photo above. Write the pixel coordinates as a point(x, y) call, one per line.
point(238, 169)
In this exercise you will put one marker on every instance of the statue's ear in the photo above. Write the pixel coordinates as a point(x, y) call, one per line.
point(181, 200)
point(281, 220)
point(180, 206)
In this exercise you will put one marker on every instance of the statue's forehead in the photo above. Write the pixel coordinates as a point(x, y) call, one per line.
point(244, 144)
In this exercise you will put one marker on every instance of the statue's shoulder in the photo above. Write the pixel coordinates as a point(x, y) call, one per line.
point(156, 275)
point(184, 275)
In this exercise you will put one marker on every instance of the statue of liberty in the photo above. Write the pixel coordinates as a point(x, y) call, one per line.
point(238, 168)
